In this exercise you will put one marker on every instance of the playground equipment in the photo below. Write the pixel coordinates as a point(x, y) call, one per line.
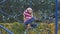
point(56, 14)
point(56, 22)
point(6, 29)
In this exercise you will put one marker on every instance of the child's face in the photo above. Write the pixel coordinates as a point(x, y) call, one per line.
point(29, 10)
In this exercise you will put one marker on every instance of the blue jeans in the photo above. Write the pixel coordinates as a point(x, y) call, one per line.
point(30, 22)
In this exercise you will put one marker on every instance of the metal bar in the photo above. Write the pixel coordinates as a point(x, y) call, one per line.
point(56, 22)
point(6, 29)
point(31, 3)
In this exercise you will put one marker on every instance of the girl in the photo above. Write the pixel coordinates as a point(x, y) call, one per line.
point(28, 18)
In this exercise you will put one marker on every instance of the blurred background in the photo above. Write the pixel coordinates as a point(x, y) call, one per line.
point(11, 15)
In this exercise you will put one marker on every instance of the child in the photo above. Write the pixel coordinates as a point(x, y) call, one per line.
point(28, 18)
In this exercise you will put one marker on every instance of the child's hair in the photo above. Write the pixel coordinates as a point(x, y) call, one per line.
point(29, 9)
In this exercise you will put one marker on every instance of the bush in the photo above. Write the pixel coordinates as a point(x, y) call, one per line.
point(18, 28)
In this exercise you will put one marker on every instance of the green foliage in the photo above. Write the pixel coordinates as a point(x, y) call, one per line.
point(15, 27)
point(18, 28)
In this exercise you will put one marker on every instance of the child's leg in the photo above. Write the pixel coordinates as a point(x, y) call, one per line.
point(34, 25)
point(28, 26)
point(29, 22)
